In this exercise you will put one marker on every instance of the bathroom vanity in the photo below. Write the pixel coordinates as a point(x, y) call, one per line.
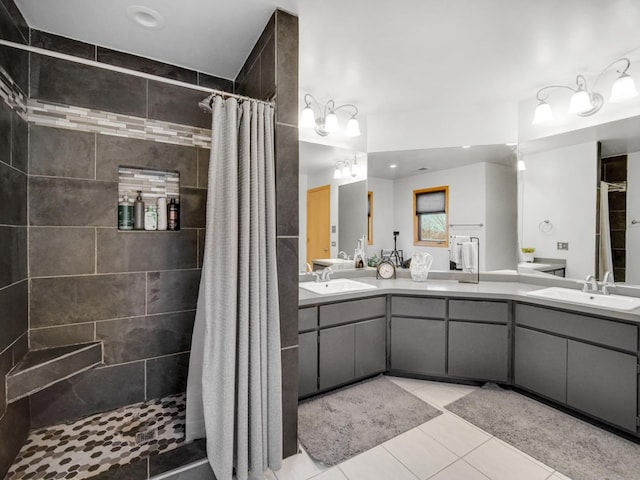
point(579, 357)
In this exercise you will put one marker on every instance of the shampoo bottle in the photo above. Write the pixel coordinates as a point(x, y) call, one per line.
point(138, 207)
point(125, 214)
point(151, 217)
point(162, 213)
point(173, 214)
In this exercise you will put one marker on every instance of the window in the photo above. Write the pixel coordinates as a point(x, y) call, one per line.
point(430, 225)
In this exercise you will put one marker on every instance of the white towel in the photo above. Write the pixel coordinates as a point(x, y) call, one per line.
point(470, 257)
point(455, 248)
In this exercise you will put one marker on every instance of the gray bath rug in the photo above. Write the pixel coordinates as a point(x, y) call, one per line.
point(341, 424)
point(577, 449)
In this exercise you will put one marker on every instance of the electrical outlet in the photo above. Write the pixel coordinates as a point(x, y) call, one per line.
point(333, 244)
point(333, 229)
point(563, 245)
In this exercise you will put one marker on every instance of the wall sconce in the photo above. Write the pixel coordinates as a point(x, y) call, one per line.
point(326, 121)
point(344, 169)
point(585, 102)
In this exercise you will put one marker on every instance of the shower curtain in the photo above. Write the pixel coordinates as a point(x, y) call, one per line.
point(605, 257)
point(234, 383)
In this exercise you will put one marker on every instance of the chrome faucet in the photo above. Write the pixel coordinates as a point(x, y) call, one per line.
point(590, 284)
point(343, 255)
point(608, 283)
point(326, 274)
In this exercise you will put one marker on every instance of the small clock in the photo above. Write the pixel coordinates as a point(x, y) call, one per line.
point(386, 269)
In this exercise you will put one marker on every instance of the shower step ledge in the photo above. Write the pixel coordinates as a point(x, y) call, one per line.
point(42, 368)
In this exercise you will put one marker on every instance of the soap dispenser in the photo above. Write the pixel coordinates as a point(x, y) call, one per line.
point(138, 207)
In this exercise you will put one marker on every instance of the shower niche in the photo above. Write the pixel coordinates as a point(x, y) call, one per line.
point(148, 200)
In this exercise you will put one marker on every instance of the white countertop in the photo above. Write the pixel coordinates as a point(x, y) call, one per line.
point(509, 288)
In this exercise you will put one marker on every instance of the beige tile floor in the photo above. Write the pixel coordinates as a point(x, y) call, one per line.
point(445, 448)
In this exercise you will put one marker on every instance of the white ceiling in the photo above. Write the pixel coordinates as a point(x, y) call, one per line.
point(383, 56)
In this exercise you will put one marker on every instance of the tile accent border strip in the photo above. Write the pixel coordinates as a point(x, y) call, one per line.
point(97, 121)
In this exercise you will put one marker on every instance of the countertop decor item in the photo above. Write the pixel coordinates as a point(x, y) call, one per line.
point(386, 269)
point(528, 254)
point(420, 265)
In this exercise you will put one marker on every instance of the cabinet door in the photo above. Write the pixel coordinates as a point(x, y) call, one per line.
point(478, 350)
point(603, 383)
point(371, 347)
point(418, 345)
point(307, 363)
point(337, 356)
point(540, 363)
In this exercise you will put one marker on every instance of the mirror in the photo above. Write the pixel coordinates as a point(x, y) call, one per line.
point(333, 212)
point(557, 199)
point(561, 199)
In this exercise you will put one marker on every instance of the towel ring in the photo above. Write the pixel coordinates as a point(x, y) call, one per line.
point(545, 226)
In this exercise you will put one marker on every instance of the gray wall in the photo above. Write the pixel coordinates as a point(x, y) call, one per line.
point(271, 71)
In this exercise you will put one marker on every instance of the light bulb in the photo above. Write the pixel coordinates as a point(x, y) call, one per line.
point(543, 113)
point(307, 119)
point(521, 166)
point(623, 88)
point(580, 102)
point(355, 169)
point(353, 128)
point(331, 123)
point(337, 174)
point(346, 171)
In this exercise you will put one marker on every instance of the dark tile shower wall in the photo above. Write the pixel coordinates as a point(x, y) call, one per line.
point(135, 290)
point(614, 170)
point(271, 71)
point(14, 418)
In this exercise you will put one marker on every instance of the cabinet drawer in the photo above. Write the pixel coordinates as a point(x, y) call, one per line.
point(307, 318)
point(604, 332)
point(418, 307)
point(479, 311)
point(351, 311)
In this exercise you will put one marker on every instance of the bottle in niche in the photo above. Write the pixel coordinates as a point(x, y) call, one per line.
point(138, 207)
point(125, 214)
point(151, 217)
point(173, 215)
point(162, 213)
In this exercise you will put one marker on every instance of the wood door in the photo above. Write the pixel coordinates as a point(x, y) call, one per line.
point(318, 223)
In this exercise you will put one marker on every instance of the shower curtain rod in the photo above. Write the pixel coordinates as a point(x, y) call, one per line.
point(207, 102)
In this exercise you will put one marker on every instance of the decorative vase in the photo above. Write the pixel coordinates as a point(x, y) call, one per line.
point(528, 257)
point(420, 265)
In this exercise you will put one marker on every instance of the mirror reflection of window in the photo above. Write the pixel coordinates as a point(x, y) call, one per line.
point(430, 226)
point(370, 216)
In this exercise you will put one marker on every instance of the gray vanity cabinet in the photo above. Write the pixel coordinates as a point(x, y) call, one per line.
point(585, 362)
point(418, 335)
point(352, 341)
point(602, 382)
point(371, 347)
point(307, 351)
point(478, 340)
point(337, 356)
point(540, 363)
point(307, 363)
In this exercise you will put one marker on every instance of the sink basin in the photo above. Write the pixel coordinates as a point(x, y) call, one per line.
point(614, 302)
point(339, 285)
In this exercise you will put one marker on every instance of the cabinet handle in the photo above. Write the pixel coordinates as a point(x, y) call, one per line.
point(634, 222)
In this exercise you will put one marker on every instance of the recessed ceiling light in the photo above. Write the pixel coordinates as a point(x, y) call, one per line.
point(466, 146)
point(393, 166)
point(145, 16)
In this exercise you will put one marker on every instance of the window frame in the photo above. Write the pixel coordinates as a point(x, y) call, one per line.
point(416, 219)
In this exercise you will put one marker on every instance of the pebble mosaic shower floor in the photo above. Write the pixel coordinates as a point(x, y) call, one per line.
point(92, 445)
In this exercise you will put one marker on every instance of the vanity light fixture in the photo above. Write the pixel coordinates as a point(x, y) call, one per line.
point(344, 168)
point(324, 119)
point(584, 101)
